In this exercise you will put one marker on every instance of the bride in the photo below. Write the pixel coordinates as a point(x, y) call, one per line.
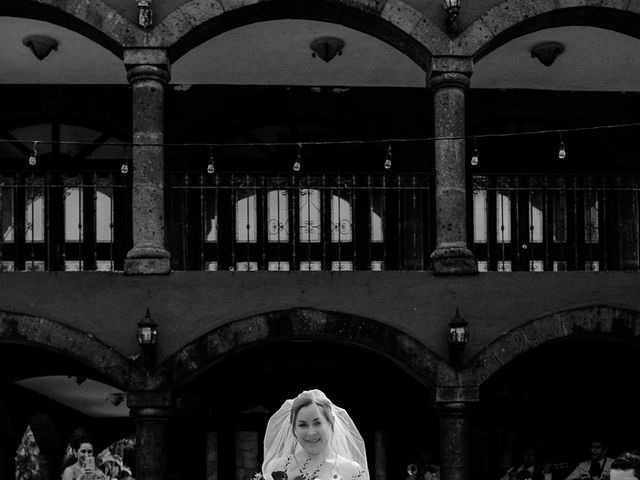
point(309, 438)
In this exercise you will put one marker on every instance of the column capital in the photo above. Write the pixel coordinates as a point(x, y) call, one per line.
point(149, 399)
point(454, 395)
point(147, 63)
point(449, 71)
point(450, 64)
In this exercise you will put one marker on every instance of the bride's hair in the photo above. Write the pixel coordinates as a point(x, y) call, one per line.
point(308, 397)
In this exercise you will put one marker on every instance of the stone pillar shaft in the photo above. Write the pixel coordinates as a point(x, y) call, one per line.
point(150, 411)
point(449, 81)
point(148, 73)
point(453, 405)
point(151, 443)
point(455, 453)
point(380, 456)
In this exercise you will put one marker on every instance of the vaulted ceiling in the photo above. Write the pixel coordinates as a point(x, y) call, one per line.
point(277, 52)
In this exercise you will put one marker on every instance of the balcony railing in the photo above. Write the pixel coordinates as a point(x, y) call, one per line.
point(64, 221)
point(307, 222)
point(555, 223)
point(332, 222)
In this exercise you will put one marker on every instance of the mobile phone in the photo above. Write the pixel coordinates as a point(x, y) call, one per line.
point(90, 462)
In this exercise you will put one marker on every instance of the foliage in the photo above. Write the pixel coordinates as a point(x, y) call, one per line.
point(27, 453)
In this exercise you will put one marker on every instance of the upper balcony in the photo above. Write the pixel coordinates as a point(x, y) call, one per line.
point(342, 210)
point(383, 220)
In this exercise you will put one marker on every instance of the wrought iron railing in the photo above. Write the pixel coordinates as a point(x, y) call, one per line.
point(556, 222)
point(320, 221)
point(64, 221)
point(283, 222)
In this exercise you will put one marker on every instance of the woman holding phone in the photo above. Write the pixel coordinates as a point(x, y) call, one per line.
point(84, 467)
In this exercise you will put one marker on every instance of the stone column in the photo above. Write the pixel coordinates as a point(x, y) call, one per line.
point(453, 405)
point(150, 410)
point(448, 79)
point(380, 455)
point(148, 73)
point(628, 227)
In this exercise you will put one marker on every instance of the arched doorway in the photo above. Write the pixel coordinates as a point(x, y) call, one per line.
point(557, 398)
point(226, 407)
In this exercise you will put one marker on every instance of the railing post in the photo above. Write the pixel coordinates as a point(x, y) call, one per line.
point(627, 220)
point(148, 73)
point(448, 79)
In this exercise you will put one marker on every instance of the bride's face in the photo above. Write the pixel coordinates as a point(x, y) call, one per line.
point(312, 429)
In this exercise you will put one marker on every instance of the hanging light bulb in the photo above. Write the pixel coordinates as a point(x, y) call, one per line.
point(297, 165)
point(388, 157)
point(33, 158)
point(124, 168)
point(474, 157)
point(562, 153)
point(211, 168)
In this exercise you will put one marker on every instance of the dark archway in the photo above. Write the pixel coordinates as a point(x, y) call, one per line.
point(230, 403)
point(613, 322)
point(555, 382)
point(69, 343)
point(304, 324)
point(229, 381)
point(559, 397)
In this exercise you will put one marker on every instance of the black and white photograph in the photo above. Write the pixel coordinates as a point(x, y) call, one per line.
point(319, 239)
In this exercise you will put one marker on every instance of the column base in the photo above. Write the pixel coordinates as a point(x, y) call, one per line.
point(453, 261)
point(147, 260)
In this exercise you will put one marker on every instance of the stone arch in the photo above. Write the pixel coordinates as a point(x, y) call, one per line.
point(392, 21)
point(513, 18)
point(84, 347)
point(305, 323)
point(90, 18)
point(596, 320)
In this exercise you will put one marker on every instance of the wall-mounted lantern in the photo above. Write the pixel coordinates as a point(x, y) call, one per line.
point(458, 337)
point(453, 8)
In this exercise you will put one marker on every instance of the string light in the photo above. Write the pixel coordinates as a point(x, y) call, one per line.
point(211, 168)
point(124, 169)
point(336, 142)
point(297, 165)
point(388, 157)
point(474, 157)
point(33, 158)
point(562, 153)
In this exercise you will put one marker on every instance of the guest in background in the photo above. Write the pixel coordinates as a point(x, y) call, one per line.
point(84, 467)
point(530, 468)
point(425, 468)
point(597, 468)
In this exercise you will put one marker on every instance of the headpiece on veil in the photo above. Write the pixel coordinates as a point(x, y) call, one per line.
point(346, 441)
